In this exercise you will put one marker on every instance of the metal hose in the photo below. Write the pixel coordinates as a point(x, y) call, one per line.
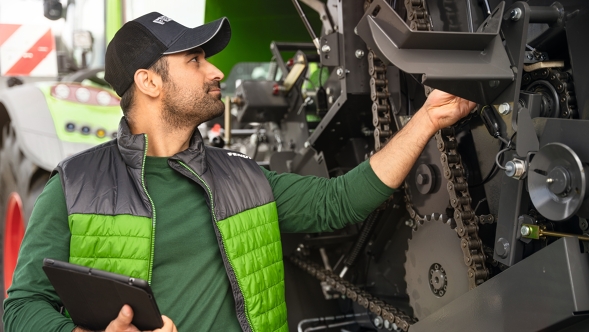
point(360, 243)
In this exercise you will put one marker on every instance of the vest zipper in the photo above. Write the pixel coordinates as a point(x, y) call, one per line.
point(150, 269)
point(215, 220)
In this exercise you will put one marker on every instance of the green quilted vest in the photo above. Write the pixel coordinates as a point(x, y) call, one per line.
point(112, 219)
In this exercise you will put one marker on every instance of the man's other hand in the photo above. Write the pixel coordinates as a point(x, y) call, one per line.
point(444, 109)
point(123, 322)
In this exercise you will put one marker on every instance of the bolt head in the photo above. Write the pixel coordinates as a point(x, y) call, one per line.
point(325, 49)
point(504, 109)
point(339, 72)
point(422, 179)
point(502, 248)
point(356, 30)
point(359, 54)
point(525, 230)
point(515, 14)
point(378, 322)
point(307, 144)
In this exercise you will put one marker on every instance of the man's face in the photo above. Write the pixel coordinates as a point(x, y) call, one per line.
point(192, 94)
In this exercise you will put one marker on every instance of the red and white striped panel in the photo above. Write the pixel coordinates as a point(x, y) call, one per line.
point(27, 50)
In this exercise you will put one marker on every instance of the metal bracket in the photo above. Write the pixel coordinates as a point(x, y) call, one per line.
point(527, 140)
point(474, 66)
point(330, 50)
point(321, 9)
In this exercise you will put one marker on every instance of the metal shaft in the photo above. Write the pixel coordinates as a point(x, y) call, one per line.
point(544, 14)
point(557, 234)
point(307, 24)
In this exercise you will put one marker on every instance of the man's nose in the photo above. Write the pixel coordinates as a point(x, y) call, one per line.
point(214, 73)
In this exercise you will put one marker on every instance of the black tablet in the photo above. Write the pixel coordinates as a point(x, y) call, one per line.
point(93, 298)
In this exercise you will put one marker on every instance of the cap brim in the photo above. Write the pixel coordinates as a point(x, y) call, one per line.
point(211, 37)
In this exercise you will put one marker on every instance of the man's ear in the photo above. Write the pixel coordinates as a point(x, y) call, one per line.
point(148, 82)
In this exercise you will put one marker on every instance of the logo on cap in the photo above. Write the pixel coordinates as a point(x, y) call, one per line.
point(162, 20)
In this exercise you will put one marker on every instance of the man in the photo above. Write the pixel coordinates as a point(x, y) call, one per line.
point(202, 225)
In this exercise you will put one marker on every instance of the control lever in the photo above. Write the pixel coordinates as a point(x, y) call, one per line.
point(491, 120)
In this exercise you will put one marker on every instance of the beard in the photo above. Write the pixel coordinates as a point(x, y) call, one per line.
point(187, 108)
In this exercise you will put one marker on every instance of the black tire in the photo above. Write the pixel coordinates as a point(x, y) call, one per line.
point(18, 175)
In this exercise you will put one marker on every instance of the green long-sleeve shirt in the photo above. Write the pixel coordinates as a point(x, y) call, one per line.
point(189, 280)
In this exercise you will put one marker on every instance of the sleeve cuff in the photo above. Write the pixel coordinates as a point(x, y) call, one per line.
point(373, 179)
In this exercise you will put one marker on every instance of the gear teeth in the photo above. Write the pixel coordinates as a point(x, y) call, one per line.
point(434, 217)
point(439, 222)
point(450, 222)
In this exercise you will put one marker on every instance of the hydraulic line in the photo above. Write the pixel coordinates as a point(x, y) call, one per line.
point(360, 243)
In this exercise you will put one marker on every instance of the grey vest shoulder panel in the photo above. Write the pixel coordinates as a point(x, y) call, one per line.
point(98, 181)
point(236, 181)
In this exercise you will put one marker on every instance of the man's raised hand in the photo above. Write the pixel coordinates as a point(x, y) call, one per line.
point(444, 109)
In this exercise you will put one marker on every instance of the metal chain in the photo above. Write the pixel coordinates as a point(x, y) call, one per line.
point(563, 85)
point(418, 15)
point(379, 92)
point(394, 316)
point(465, 218)
point(381, 107)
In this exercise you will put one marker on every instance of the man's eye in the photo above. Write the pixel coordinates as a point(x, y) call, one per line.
point(195, 59)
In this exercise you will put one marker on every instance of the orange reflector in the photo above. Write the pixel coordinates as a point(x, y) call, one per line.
point(101, 133)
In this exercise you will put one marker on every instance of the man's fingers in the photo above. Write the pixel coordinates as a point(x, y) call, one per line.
point(168, 325)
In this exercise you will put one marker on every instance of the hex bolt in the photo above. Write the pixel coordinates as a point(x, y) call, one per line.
point(504, 109)
point(515, 14)
point(525, 230)
point(378, 322)
point(325, 49)
point(339, 72)
point(502, 248)
point(307, 144)
point(422, 179)
point(359, 54)
point(515, 168)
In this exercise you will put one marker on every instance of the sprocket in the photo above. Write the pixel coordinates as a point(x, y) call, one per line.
point(425, 185)
point(435, 272)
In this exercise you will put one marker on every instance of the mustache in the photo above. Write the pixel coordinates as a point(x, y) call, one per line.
point(212, 85)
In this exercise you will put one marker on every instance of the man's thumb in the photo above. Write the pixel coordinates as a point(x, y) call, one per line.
point(125, 316)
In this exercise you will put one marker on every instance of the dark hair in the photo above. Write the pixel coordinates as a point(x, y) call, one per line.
point(160, 67)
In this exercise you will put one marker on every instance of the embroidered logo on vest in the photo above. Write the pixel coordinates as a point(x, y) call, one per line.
point(162, 20)
point(234, 154)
